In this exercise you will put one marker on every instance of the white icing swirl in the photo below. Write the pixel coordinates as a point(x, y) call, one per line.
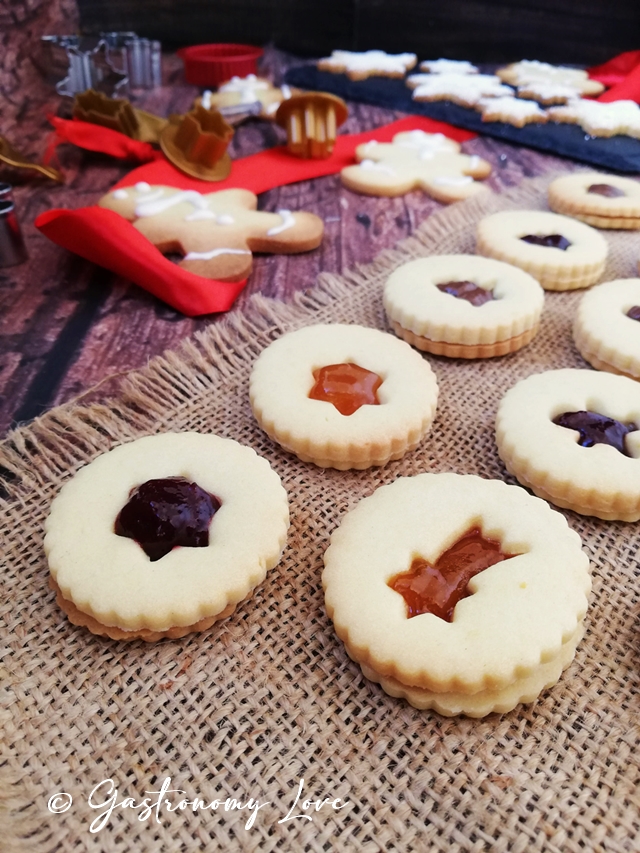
point(372, 166)
point(120, 194)
point(214, 253)
point(159, 203)
point(288, 221)
point(453, 180)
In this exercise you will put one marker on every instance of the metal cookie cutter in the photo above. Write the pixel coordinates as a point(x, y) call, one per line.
point(12, 248)
point(111, 63)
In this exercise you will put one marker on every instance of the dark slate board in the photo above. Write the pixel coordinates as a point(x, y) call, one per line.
point(617, 153)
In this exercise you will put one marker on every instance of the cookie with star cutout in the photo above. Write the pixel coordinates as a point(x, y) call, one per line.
point(458, 594)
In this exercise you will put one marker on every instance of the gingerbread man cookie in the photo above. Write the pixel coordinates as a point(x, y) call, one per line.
point(416, 160)
point(215, 232)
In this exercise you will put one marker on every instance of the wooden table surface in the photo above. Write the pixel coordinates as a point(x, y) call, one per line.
point(66, 324)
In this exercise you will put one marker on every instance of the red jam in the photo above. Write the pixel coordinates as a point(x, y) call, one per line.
point(466, 290)
point(162, 514)
point(634, 312)
point(550, 241)
point(438, 588)
point(347, 386)
point(606, 190)
point(597, 429)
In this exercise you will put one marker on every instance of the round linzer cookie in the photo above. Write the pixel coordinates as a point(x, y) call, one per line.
point(165, 535)
point(456, 593)
point(343, 396)
point(463, 306)
point(607, 327)
point(573, 437)
point(561, 253)
point(606, 201)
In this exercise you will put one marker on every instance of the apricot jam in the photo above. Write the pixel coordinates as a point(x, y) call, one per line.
point(439, 587)
point(347, 386)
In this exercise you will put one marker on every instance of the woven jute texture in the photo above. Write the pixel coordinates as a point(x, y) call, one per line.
point(268, 698)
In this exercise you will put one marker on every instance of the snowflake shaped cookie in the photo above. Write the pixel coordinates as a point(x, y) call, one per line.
point(511, 110)
point(601, 119)
point(531, 70)
point(370, 63)
point(448, 66)
point(463, 89)
point(416, 160)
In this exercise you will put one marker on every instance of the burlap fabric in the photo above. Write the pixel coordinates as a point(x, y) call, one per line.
point(269, 697)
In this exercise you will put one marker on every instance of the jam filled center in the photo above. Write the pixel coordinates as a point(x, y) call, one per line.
point(606, 190)
point(466, 290)
point(347, 386)
point(597, 429)
point(550, 241)
point(439, 587)
point(634, 312)
point(162, 514)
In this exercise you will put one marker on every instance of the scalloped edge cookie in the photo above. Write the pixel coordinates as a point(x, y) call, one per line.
point(103, 578)
point(508, 640)
point(603, 333)
point(569, 195)
point(442, 324)
point(580, 265)
point(314, 430)
point(547, 458)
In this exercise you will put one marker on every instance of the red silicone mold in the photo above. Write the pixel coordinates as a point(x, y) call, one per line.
point(213, 64)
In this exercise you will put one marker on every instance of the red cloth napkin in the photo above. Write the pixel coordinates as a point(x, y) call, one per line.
point(108, 239)
point(622, 75)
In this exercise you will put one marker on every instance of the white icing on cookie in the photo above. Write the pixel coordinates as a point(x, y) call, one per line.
point(510, 108)
point(159, 203)
point(288, 221)
point(120, 194)
point(465, 88)
point(142, 187)
point(206, 99)
point(448, 66)
point(371, 60)
point(601, 119)
point(453, 180)
point(214, 253)
point(225, 219)
point(372, 166)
